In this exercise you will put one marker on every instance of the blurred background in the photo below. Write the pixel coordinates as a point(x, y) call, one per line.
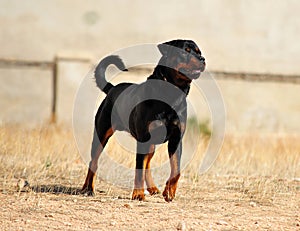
point(251, 48)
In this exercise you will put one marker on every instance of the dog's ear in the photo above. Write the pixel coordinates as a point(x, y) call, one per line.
point(165, 48)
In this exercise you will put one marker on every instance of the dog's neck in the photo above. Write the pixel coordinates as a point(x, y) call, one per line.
point(158, 74)
point(162, 73)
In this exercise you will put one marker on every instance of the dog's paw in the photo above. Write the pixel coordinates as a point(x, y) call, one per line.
point(86, 191)
point(153, 190)
point(169, 192)
point(138, 194)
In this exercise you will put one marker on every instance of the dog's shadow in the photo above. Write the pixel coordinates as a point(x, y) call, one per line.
point(56, 189)
point(67, 190)
point(59, 189)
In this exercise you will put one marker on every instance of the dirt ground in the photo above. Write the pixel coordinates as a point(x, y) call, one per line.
point(231, 196)
point(221, 205)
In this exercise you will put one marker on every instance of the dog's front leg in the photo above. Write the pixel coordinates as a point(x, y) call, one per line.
point(151, 187)
point(138, 191)
point(142, 155)
point(175, 156)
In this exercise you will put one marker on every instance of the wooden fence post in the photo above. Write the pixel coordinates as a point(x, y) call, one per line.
point(54, 90)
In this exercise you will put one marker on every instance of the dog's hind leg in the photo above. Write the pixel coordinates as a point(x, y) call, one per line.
point(97, 148)
point(151, 188)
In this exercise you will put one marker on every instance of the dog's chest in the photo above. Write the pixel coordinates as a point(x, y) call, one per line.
point(166, 119)
point(171, 115)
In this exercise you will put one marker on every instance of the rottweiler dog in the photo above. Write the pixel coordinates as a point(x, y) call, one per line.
point(181, 62)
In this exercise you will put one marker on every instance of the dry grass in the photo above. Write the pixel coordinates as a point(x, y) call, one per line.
point(260, 169)
point(49, 154)
point(43, 155)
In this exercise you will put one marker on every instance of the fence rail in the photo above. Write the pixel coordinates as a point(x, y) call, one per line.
point(251, 77)
point(13, 63)
point(260, 77)
point(53, 67)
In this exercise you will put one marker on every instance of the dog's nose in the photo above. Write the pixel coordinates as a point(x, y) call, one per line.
point(202, 59)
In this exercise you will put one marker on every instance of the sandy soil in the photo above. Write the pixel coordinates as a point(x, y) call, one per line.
point(215, 203)
point(240, 192)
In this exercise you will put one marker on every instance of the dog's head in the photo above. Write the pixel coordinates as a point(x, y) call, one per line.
point(183, 59)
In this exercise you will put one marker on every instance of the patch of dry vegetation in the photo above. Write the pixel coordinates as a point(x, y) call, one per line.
point(49, 155)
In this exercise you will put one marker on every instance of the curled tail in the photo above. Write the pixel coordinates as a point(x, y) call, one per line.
point(101, 68)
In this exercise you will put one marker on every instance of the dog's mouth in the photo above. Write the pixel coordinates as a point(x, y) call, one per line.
point(192, 74)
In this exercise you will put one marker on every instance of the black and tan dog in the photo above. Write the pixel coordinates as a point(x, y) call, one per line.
point(181, 62)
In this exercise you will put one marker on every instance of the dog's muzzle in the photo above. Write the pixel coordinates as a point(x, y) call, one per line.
point(193, 73)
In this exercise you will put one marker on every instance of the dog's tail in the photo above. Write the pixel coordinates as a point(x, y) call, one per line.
point(101, 68)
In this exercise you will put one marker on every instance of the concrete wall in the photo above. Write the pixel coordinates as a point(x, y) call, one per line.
point(25, 96)
point(235, 36)
point(248, 36)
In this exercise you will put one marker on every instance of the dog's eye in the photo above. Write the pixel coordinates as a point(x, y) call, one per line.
point(188, 49)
